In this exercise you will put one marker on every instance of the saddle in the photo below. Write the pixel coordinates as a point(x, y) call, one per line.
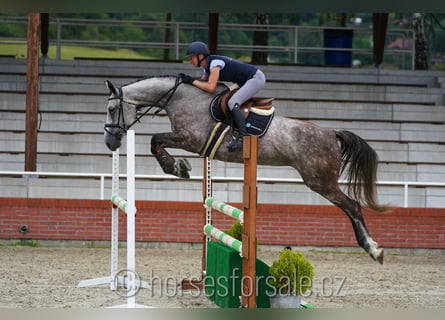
point(258, 113)
point(261, 106)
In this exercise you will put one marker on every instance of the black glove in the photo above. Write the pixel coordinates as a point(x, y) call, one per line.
point(186, 78)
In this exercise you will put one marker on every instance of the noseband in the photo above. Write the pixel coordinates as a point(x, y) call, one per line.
point(124, 127)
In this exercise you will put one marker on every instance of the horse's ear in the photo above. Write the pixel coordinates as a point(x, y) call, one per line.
point(111, 87)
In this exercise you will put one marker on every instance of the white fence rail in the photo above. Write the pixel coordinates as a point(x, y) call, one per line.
point(405, 185)
point(296, 42)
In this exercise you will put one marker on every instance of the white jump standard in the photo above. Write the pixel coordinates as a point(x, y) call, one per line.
point(131, 280)
point(112, 280)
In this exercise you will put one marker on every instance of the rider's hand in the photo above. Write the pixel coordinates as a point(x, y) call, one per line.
point(186, 78)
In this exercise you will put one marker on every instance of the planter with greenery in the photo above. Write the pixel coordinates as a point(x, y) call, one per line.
point(291, 275)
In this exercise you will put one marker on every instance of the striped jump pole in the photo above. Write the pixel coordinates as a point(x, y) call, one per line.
point(121, 203)
point(225, 208)
point(246, 248)
point(223, 237)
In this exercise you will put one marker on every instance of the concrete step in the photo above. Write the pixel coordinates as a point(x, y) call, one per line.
point(136, 69)
point(366, 111)
point(78, 123)
point(299, 91)
point(325, 74)
point(354, 93)
point(395, 132)
point(359, 111)
point(400, 113)
point(393, 142)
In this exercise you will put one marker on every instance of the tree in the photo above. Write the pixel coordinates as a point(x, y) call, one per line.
point(260, 38)
point(420, 43)
point(433, 25)
point(168, 18)
point(334, 19)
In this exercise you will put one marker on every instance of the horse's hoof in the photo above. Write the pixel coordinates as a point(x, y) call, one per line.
point(378, 256)
point(184, 175)
point(184, 165)
point(182, 168)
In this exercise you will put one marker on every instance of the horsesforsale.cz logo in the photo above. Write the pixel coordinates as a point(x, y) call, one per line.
point(122, 282)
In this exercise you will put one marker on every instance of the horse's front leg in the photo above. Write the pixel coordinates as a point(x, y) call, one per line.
point(179, 168)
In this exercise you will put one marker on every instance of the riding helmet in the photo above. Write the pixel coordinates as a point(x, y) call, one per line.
point(197, 47)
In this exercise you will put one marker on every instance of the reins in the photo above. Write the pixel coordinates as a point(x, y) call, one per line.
point(166, 95)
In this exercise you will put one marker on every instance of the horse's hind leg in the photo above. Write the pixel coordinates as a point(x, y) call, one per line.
point(352, 208)
point(179, 168)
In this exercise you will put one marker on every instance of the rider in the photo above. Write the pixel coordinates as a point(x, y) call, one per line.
point(249, 78)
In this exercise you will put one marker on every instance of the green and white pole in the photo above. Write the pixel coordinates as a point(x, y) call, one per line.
point(120, 202)
point(223, 237)
point(225, 208)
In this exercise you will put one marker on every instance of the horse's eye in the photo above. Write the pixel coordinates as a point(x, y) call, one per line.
point(111, 108)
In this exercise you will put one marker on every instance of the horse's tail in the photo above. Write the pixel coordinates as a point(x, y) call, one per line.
point(362, 162)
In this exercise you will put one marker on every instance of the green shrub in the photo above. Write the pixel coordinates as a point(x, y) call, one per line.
point(236, 231)
point(292, 273)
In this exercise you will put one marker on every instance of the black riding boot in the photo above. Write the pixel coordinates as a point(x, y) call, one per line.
point(238, 119)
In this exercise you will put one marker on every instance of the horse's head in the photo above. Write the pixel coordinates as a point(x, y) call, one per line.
point(129, 103)
point(120, 115)
point(126, 103)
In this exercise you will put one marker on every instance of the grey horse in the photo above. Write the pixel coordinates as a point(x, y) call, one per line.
point(320, 155)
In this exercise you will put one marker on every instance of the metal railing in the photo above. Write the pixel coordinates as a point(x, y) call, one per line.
point(215, 179)
point(287, 43)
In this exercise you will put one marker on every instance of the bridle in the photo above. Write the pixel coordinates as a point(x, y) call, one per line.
point(157, 104)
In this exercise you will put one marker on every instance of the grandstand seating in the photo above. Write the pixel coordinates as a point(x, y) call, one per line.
point(401, 113)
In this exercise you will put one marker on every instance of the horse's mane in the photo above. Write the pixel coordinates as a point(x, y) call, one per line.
point(146, 78)
point(224, 86)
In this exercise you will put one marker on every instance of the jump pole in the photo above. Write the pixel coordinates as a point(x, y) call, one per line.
point(247, 248)
point(225, 208)
point(248, 216)
point(223, 237)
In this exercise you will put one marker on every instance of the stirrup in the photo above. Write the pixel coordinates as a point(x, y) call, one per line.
point(235, 145)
